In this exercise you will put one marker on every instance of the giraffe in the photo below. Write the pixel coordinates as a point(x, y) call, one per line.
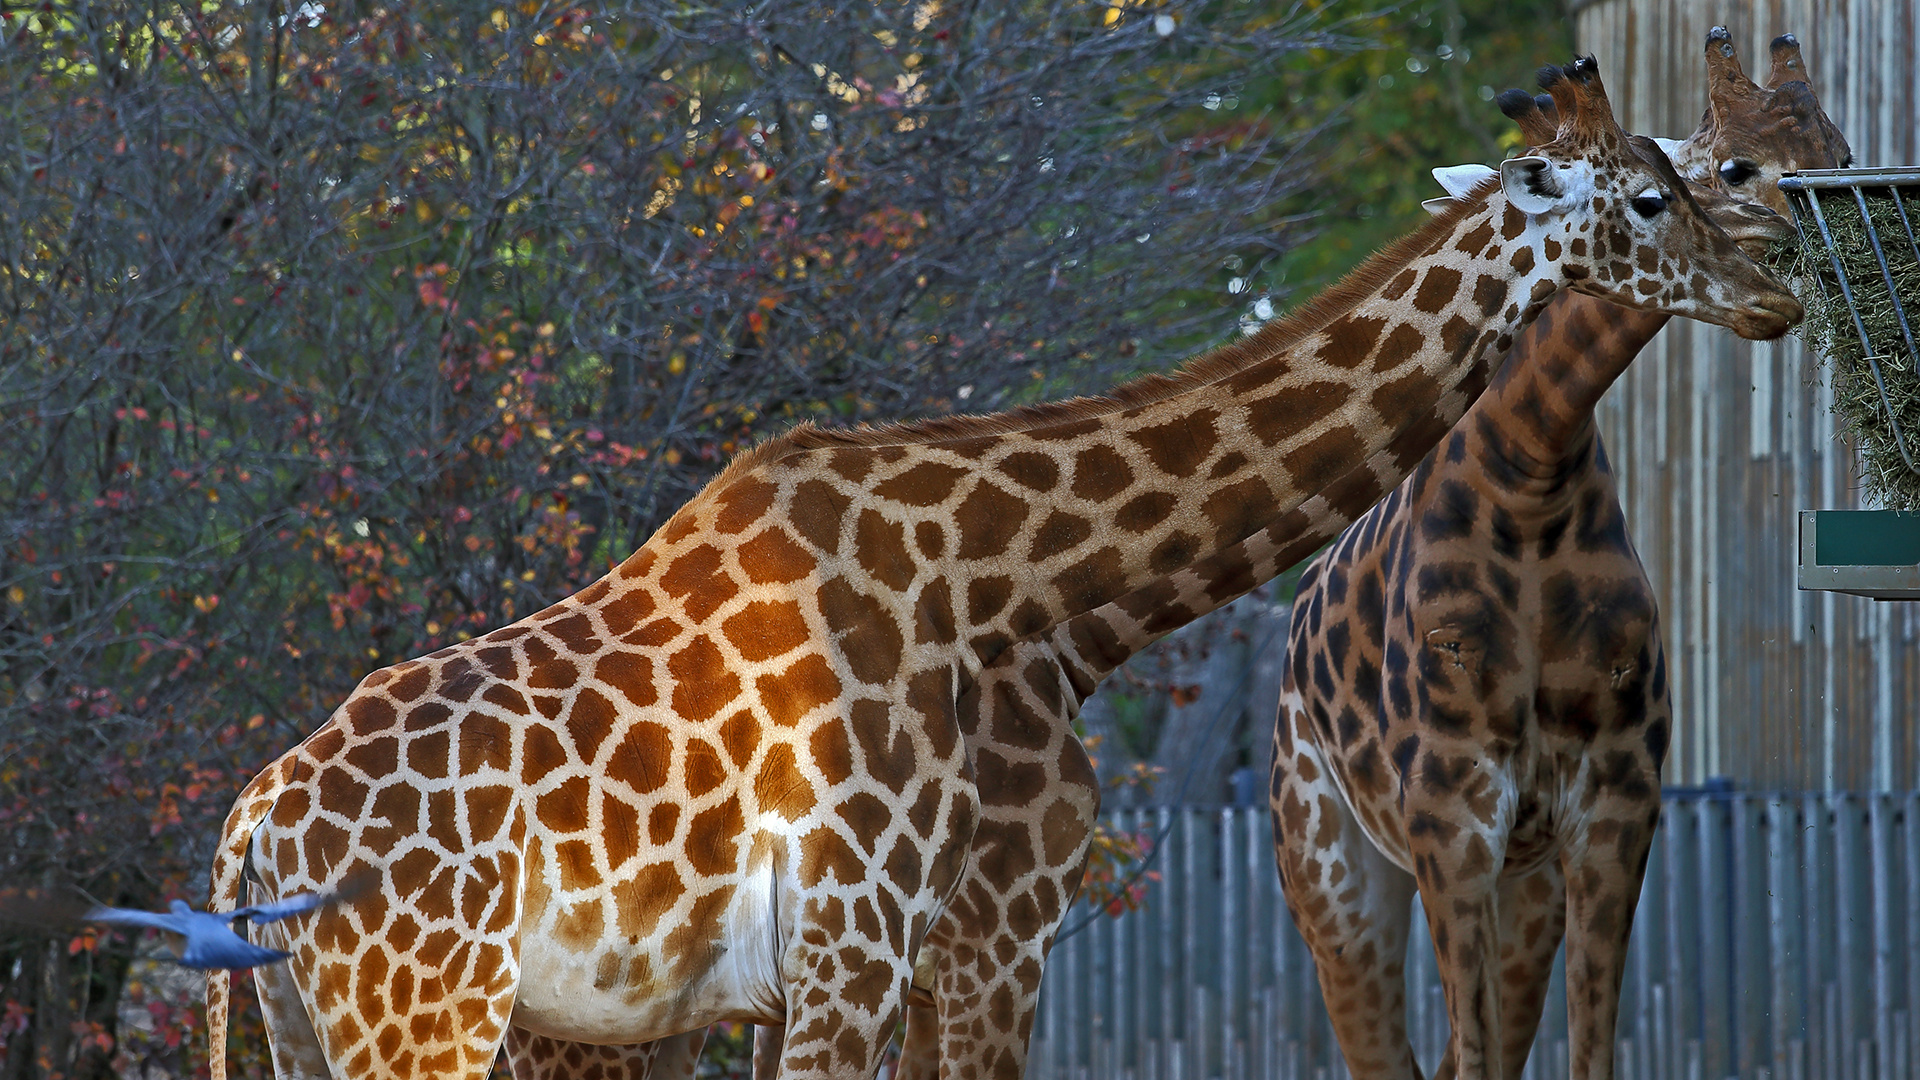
point(1476, 698)
point(1038, 685)
point(728, 780)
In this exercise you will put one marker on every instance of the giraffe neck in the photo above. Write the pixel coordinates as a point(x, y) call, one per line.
point(1118, 499)
point(1536, 419)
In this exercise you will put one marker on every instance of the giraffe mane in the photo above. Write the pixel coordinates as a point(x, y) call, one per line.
point(1210, 366)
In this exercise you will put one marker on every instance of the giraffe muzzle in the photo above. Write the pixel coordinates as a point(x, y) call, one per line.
point(1771, 316)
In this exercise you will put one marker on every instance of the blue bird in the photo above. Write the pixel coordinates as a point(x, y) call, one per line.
point(209, 939)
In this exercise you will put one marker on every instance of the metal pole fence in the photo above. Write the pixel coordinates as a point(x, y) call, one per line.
point(1777, 938)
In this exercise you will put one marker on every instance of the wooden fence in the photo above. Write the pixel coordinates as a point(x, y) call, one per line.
point(1777, 937)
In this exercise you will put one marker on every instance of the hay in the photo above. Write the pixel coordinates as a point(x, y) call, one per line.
point(1830, 331)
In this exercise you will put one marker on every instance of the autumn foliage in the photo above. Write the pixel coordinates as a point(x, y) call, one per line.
point(334, 333)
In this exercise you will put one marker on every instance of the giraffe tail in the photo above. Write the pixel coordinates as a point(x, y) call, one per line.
point(229, 869)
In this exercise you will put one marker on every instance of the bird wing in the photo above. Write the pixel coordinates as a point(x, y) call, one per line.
point(280, 909)
point(224, 950)
point(129, 917)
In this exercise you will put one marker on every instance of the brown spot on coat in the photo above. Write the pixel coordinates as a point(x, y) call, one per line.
point(1031, 470)
point(1060, 532)
point(765, 629)
point(1318, 460)
point(743, 503)
point(1143, 512)
point(831, 752)
point(988, 519)
point(880, 546)
point(869, 640)
point(702, 683)
point(933, 615)
point(485, 743)
point(926, 484)
point(641, 901)
point(825, 855)
point(713, 838)
point(662, 821)
point(564, 809)
point(1179, 446)
point(816, 510)
point(702, 769)
point(740, 735)
point(780, 787)
point(1100, 473)
point(625, 611)
point(798, 689)
point(1239, 509)
point(1349, 341)
point(986, 596)
point(540, 754)
point(888, 760)
point(590, 721)
point(644, 757)
point(1401, 345)
point(698, 580)
point(629, 673)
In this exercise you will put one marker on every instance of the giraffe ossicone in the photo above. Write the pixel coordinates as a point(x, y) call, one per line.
point(1476, 701)
point(741, 777)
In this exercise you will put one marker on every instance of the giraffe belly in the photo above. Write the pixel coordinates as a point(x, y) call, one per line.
point(618, 990)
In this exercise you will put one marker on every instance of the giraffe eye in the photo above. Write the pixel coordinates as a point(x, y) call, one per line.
point(1649, 202)
point(1736, 172)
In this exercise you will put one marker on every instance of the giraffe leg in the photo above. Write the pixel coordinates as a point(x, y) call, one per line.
point(768, 1042)
point(1603, 886)
point(540, 1057)
point(1533, 919)
point(294, 1045)
point(986, 953)
point(1351, 904)
point(920, 1049)
point(291, 1039)
point(1455, 861)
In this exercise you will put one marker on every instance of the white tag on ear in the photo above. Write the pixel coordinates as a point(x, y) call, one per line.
point(1460, 179)
point(1440, 205)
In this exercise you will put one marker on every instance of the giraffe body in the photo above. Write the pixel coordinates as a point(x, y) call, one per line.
point(732, 779)
point(1476, 701)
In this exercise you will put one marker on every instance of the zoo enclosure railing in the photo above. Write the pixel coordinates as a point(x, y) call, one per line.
point(1777, 938)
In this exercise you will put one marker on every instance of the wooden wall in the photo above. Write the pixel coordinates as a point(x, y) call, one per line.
point(1719, 442)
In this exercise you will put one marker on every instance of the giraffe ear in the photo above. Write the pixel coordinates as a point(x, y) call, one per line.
point(1668, 146)
point(1440, 205)
point(1460, 179)
point(1531, 184)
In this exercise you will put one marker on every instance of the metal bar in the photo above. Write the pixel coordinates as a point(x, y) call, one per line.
point(1900, 312)
point(1860, 327)
point(1819, 179)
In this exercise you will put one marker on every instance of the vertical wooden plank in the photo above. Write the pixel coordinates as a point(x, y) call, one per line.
point(1749, 971)
point(1786, 923)
point(1715, 908)
point(1886, 981)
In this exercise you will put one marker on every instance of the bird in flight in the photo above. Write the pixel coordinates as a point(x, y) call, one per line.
point(206, 940)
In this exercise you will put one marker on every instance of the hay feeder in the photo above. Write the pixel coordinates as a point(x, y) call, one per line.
point(1858, 270)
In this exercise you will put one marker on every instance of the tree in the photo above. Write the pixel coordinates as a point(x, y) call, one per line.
point(337, 333)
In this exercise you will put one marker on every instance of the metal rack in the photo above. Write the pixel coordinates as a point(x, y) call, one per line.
point(1864, 552)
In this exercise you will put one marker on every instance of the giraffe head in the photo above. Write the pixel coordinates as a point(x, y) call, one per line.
point(1632, 232)
point(1749, 224)
point(1753, 134)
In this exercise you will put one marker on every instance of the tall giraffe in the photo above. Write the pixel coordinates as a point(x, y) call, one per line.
point(992, 940)
point(728, 781)
point(1476, 699)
